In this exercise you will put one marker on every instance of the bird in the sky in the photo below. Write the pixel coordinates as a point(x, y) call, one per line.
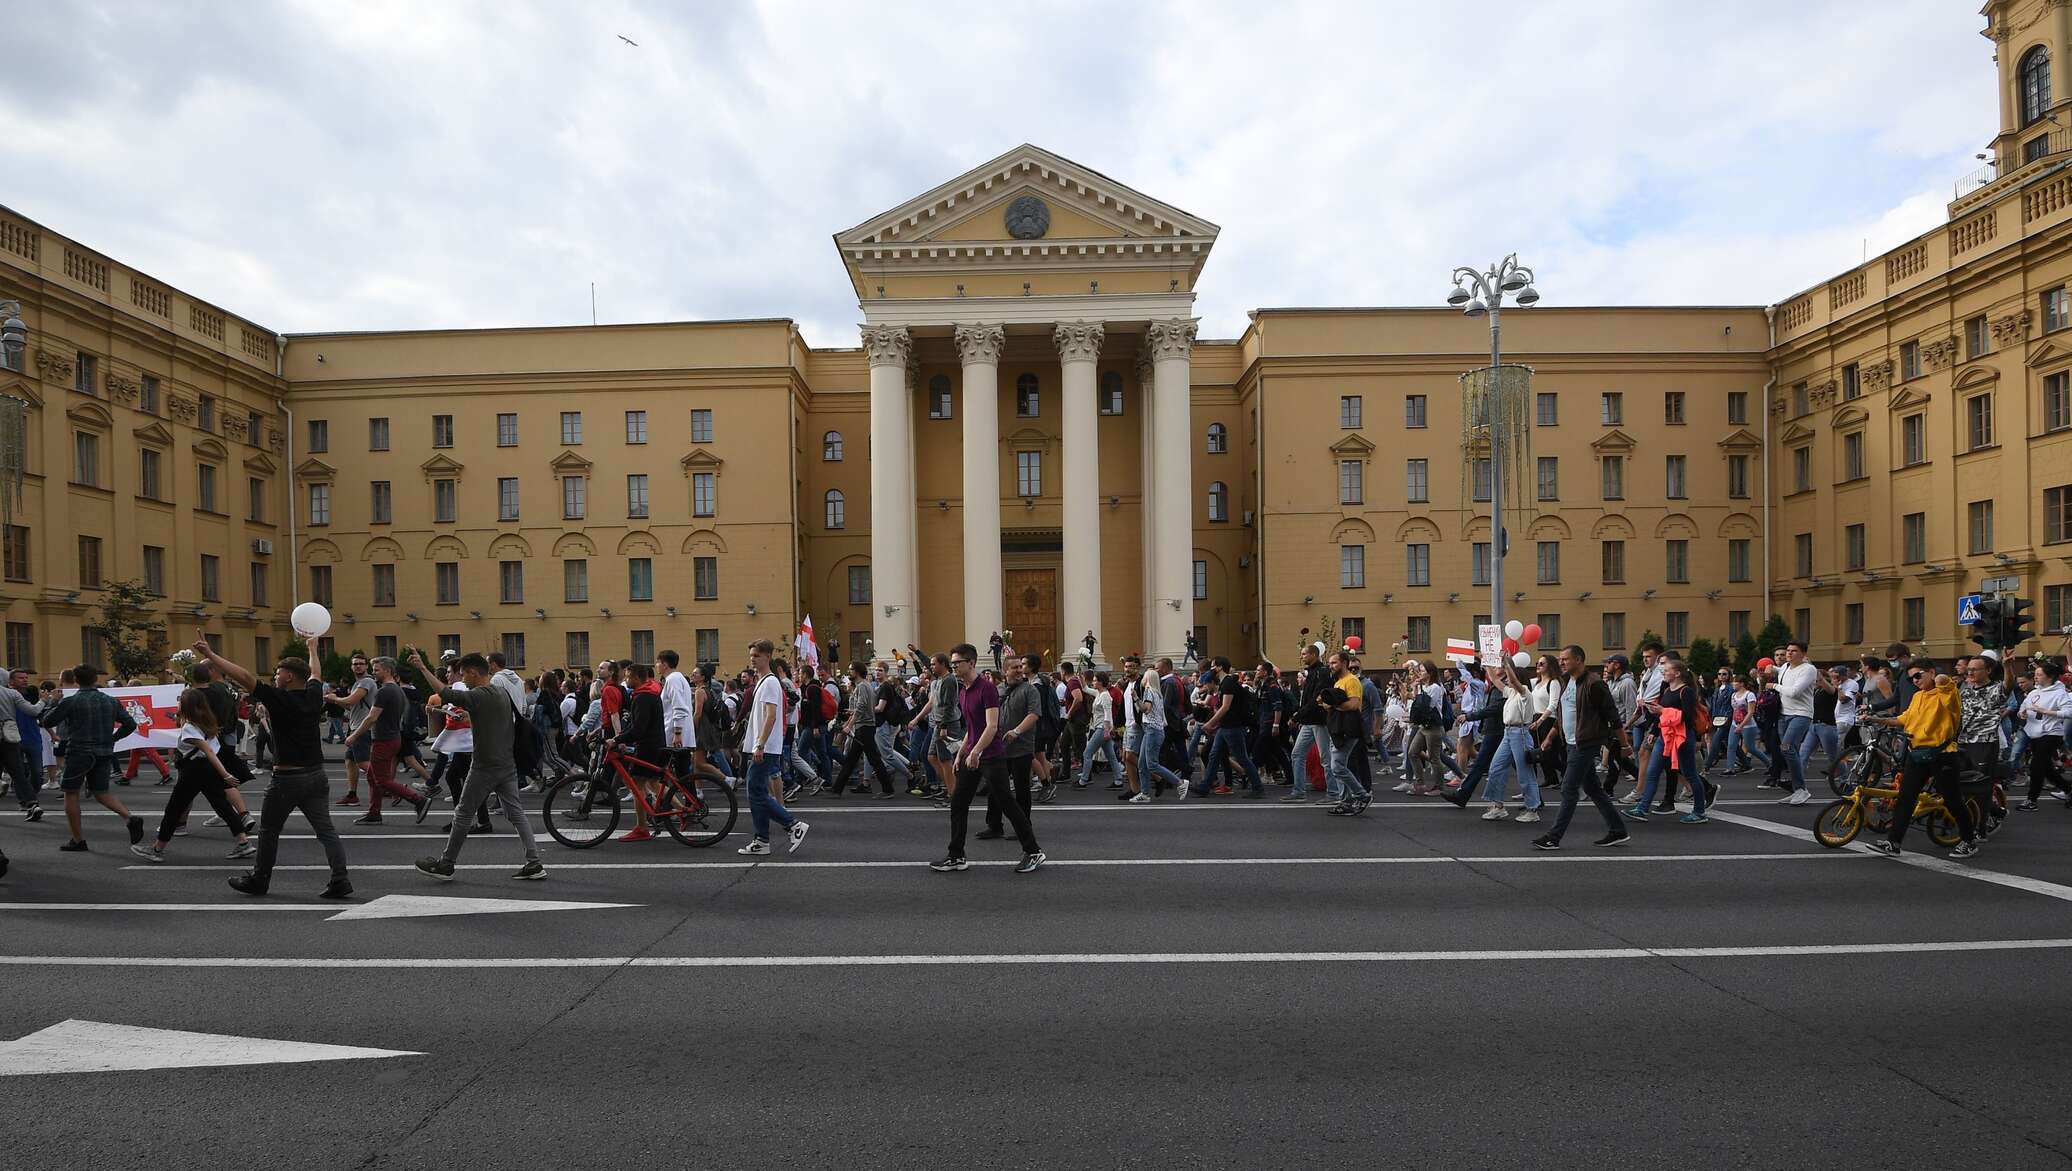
point(629, 40)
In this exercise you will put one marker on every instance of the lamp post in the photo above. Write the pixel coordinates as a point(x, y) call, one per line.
point(1477, 293)
point(14, 334)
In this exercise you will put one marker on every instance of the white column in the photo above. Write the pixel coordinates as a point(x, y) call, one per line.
point(1171, 343)
point(892, 623)
point(978, 347)
point(1147, 503)
point(1079, 346)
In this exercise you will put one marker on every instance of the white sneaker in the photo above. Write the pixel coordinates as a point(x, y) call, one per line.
point(147, 853)
point(1799, 797)
point(798, 836)
point(1527, 815)
point(215, 822)
point(1186, 789)
point(1400, 787)
point(754, 846)
point(1141, 799)
point(1496, 813)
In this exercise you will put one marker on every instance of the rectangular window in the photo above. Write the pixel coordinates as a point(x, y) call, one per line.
point(320, 504)
point(1613, 469)
point(859, 585)
point(255, 492)
point(21, 646)
point(1673, 477)
point(707, 645)
point(1802, 554)
point(1802, 624)
point(1737, 558)
point(577, 644)
point(514, 650)
point(446, 582)
point(1977, 340)
point(1678, 561)
point(1673, 407)
point(1481, 477)
point(1737, 477)
point(1352, 567)
point(2057, 401)
point(150, 483)
point(154, 570)
point(1416, 481)
point(1852, 382)
point(1549, 562)
point(1909, 360)
point(442, 430)
point(1352, 482)
point(1612, 628)
point(450, 644)
point(1201, 581)
point(445, 502)
point(1418, 633)
point(704, 493)
point(17, 553)
point(319, 436)
point(1028, 473)
point(382, 505)
point(83, 373)
point(1854, 546)
point(701, 425)
point(1547, 409)
point(507, 429)
point(636, 426)
point(1852, 456)
point(1612, 406)
point(1550, 631)
point(86, 458)
point(2057, 313)
point(510, 578)
point(1737, 624)
point(1913, 528)
point(147, 394)
point(385, 644)
point(1549, 487)
point(643, 647)
point(1349, 410)
point(1612, 555)
point(574, 497)
point(258, 576)
point(1478, 562)
point(941, 401)
point(1417, 568)
point(1413, 410)
point(1852, 623)
point(1913, 440)
point(378, 434)
point(636, 496)
point(1677, 628)
point(1737, 408)
point(1801, 400)
point(320, 584)
point(1978, 422)
point(575, 580)
point(640, 579)
point(705, 579)
point(211, 578)
point(571, 427)
point(204, 411)
point(1913, 619)
point(1028, 397)
point(1348, 627)
point(1978, 523)
point(205, 488)
point(507, 498)
point(1802, 469)
point(1111, 393)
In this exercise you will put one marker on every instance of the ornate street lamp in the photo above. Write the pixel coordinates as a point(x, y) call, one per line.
point(1496, 402)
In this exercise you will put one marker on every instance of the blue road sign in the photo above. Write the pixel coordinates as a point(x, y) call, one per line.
point(1967, 610)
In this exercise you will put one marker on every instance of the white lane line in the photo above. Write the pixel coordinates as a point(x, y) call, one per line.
point(1919, 861)
point(1420, 860)
point(1197, 805)
point(1509, 955)
point(385, 907)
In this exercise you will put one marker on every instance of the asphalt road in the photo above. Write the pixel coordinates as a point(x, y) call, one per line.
point(1216, 983)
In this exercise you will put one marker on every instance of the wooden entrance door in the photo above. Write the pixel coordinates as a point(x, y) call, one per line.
point(1030, 608)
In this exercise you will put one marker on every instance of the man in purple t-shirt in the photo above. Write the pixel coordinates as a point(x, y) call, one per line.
point(982, 757)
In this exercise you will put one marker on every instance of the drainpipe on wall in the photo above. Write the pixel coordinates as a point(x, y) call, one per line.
point(280, 365)
point(1770, 317)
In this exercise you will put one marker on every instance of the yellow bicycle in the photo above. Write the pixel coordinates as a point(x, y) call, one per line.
point(1869, 805)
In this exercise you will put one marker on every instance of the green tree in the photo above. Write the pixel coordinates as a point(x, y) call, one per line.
point(1745, 654)
point(1775, 633)
point(1646, 637)
point(1704, 658)
point(133, 637)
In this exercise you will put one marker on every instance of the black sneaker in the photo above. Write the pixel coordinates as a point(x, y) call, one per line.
point(339, 889)
point(531, 872)
point(424, 810)
point(1884, 846)
point(136, 828)
point(438, 868)
point(948, 864)
point(75, 846)
point(33, 813)
point(1618, 838)
point(368, 819)
point(1965, 849)
point(248, 883)
point(1342, 809)
point(1545, 842)
point(987, 835)
point(1029, 863)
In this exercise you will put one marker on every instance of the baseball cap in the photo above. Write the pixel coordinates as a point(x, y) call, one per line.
point(1619, 659)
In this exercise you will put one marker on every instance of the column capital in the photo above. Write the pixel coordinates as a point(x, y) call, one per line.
point(1171, 338)
point(980, 343)
point(1078, 341)
point(887, 345)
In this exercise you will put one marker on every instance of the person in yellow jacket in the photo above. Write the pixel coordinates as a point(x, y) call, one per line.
point(1930, 723)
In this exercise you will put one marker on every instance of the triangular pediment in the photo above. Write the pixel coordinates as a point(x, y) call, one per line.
point(701, 460)
point(22, 389)
point(570, 463)
point(315, 469)
point(1741, 440)
point(154, 434)
point(1907, 399)
point(261, 464)
point(440, 467)
point(2047, 353)
point(1796, 433)
point(1613, 440)
point(1352, 447)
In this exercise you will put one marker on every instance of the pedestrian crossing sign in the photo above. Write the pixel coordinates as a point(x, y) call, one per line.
point(1967, 610)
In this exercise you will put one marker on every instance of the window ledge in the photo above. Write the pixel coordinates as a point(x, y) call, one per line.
point(1917, 464)
point(211, 512)
point(161, 501)
point(1852, 480)
point(1975, 450)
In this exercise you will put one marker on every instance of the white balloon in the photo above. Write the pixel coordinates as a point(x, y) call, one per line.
point(1514, 629)
point(310, 620)
point(1521, 660)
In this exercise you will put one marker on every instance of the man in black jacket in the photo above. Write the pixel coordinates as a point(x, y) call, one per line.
point(1309, 728)
point(1589, 717)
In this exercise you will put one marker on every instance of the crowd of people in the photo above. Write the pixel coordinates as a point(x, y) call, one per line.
point(1015, 730)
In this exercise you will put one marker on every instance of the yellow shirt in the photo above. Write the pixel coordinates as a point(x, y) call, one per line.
point(1931, 720)
point(1351, 686)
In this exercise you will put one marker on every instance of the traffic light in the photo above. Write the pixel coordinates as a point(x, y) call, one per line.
point(2014, 624)
point(1986, 631)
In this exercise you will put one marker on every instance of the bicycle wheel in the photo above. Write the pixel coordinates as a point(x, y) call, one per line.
point(1838, 824)
point(700, 810)
point(580, 812)
point(1848, 772)
point(1877, 815)
point(1941, 827)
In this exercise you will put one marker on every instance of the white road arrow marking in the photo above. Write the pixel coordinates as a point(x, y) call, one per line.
point(385, 907)
point(95, 1047)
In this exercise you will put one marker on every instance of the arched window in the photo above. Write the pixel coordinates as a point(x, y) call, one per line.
point(835, 513)
point(939, 397)
point(1219, 439)
point(831, 447)
point(2032, 81)
point(1026, 403)
point(1111, 392)
point(1219, 502)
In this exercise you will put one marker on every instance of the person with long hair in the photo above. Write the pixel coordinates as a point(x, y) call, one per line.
point(1513, 753)
point(198, 769)
point(2044, 713)
point(1675, 712)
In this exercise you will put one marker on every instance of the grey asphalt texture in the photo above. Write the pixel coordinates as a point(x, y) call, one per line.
point(1909, 1059)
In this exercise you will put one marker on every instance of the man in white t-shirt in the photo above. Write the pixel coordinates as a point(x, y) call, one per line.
point(1796, 679)
point(762, 746)
point(679, 714)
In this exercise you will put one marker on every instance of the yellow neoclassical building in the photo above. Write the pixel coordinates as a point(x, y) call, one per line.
point(1065, 452)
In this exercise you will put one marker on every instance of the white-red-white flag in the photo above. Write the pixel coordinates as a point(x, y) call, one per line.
point(808, 650)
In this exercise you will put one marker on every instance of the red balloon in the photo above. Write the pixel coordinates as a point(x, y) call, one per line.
point(1510, 646)
point(1353, 642)
point(1763, 664)
point(1532, 634)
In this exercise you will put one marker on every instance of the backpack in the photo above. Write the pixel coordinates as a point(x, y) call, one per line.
point(1423, 712)
point(717, 713)
point(527, 745)
point(829, 705)
point(1447, 713)
point(1049, 717)
point(1702, 723)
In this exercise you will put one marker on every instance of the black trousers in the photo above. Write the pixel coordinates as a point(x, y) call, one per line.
point(308, 790)
point(994, 774)
point(1018, 772)
point(1920, 770)
point(194, 777)
point(863, 742)
point(2043, 764)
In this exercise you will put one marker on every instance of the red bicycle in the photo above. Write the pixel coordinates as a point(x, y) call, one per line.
point(582, 810)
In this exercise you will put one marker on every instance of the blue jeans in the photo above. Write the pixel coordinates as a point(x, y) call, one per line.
point(813, 746)
point(1686, 763)
point(1306, 736)
point(1747, 739)
point(1828, 738)
point(1147, 760)
point(1478, 768)
point(765, 801)
point(917, 750)
point(1578, 778)
point(1793, 730)
point(1096, 743)
point(1724, 739)
point(1350, 788)
point(1232, 743)
point(888, 743)
point(1512, 755)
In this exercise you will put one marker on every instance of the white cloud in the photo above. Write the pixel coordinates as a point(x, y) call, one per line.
point(396, 165)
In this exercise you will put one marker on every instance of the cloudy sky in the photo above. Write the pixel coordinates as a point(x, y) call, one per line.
point(426, 163)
